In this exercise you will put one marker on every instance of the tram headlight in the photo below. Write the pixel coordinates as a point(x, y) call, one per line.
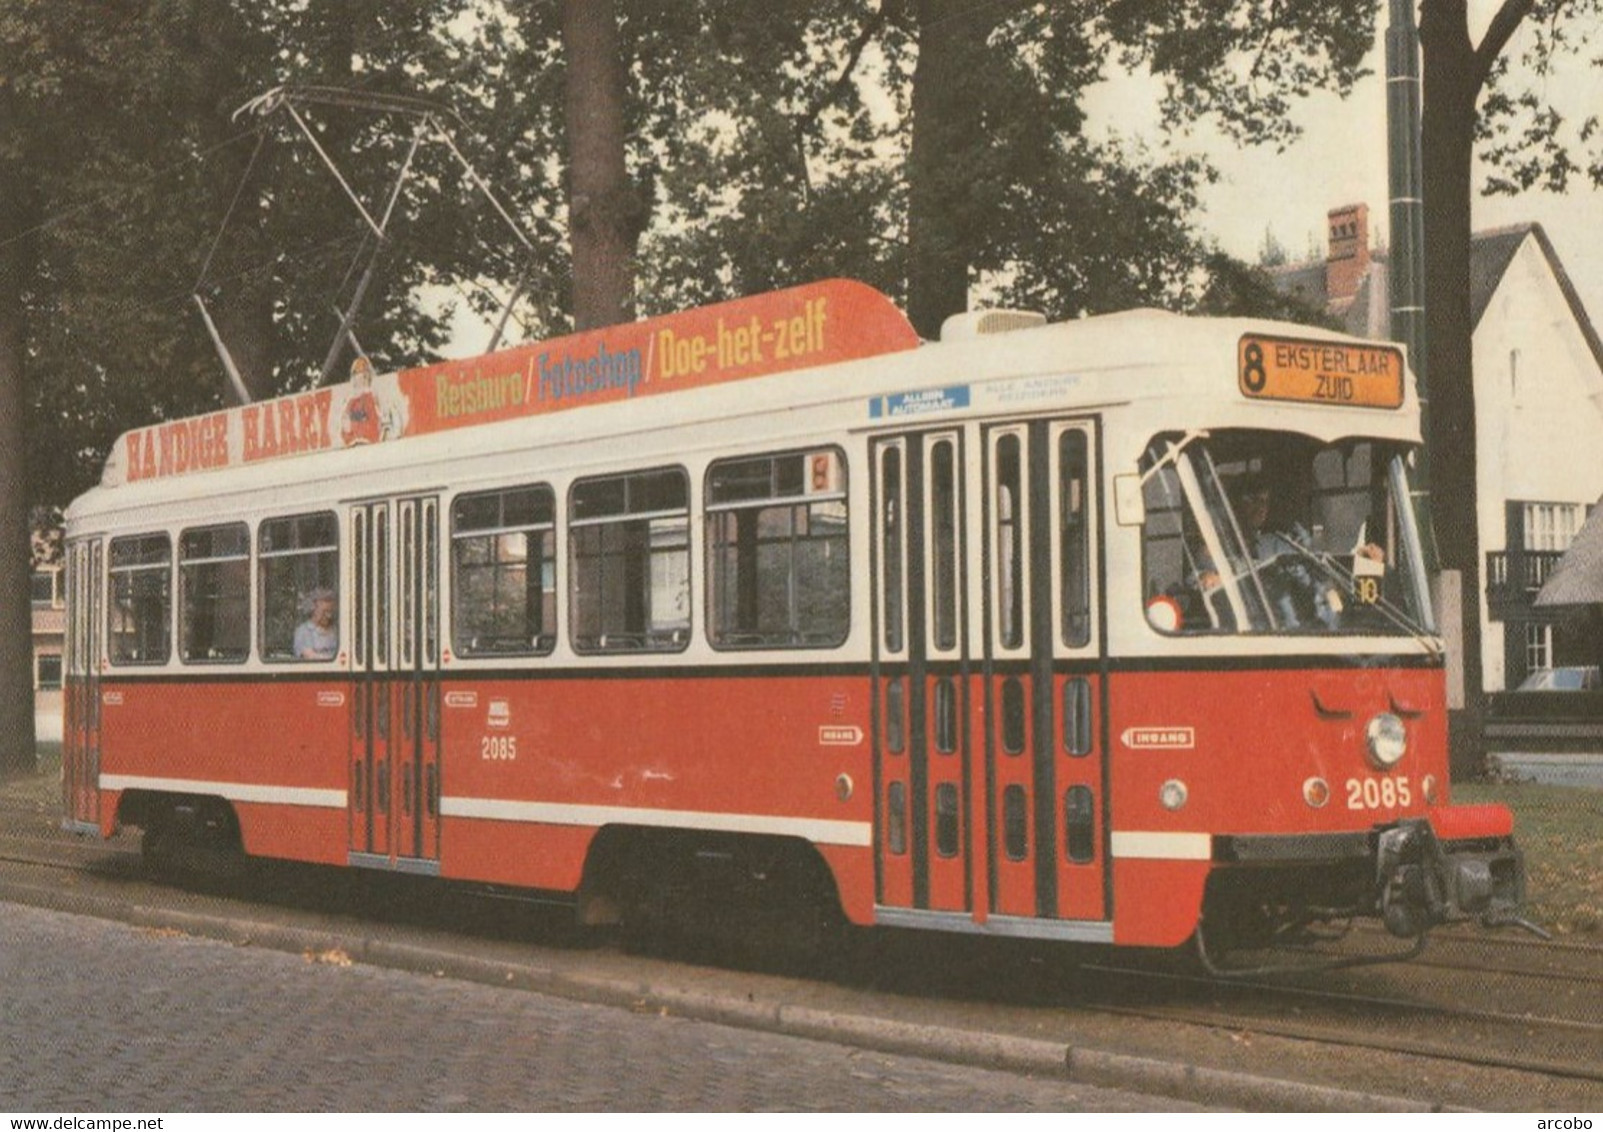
point(1387, 739)
point(1316, 792)
point(1172, 794)
point(1163, 614)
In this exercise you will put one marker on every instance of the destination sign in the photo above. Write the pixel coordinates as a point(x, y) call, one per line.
point(1325, 373)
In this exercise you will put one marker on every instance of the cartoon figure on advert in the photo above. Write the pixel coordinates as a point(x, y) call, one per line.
point(369, 417)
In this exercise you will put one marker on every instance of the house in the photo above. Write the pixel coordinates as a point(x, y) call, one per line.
point(49, 637)
point(1539, 432)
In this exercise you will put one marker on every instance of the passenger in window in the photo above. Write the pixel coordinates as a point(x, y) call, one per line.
point(317, 638)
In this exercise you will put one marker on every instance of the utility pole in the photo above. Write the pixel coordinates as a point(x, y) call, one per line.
point(1404, 177)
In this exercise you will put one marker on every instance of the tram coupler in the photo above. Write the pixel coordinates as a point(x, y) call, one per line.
point(1422, 881)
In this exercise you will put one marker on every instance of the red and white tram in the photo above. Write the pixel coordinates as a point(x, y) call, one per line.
point(1114, 630)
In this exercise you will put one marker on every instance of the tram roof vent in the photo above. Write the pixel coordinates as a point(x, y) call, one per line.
point(974, 324)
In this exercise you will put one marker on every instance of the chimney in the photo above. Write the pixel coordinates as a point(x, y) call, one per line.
point(1348, 258)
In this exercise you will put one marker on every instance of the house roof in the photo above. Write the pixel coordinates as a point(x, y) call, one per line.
point(1571, 295)
point(1490, 253)
point(1578, 577)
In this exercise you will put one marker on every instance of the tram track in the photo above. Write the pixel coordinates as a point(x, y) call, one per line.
point(51, 852)
point(1269, 1018)
point(1381, 1011)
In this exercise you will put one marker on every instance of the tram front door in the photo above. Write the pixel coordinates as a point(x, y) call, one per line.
point(395, 684)
point(989, 748)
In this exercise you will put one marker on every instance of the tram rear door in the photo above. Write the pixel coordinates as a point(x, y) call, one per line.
point(80, 748)
point(989, 750)
point(395, 684)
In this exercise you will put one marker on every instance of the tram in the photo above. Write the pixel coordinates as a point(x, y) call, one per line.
point(1114, 631)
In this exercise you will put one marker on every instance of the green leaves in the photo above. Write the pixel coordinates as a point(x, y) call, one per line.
point(771, 144)
point(1535, 127)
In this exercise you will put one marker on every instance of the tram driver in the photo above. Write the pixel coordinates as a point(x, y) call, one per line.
point(1282, 553)
point(317, 637)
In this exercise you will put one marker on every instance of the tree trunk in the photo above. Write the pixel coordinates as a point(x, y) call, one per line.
point(242, 303)
point(244, 317)
point(17, 740)
point(605, 213)
point(1452, 77)
point(946, 127)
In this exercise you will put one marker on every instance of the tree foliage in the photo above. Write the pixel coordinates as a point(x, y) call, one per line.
point(139, 160)
point(1530, 136)
point(933, 148)
point(939, 148)
point(764, 145)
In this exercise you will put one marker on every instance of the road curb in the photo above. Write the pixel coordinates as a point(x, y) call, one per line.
point(1037, 1057)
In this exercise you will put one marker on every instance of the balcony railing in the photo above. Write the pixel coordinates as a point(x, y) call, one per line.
point(1514, 576)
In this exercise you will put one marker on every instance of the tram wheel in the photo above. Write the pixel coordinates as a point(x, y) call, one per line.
point(192, 841)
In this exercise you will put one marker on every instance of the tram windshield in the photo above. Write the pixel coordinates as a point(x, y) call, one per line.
point(1265, 532)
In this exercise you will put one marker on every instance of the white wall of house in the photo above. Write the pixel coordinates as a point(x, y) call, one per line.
point(1539, 413)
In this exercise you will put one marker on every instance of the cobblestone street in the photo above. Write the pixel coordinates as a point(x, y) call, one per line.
point(105, 1017)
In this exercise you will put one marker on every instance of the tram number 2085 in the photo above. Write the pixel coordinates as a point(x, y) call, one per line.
point(500, 748)
point(1378, 793)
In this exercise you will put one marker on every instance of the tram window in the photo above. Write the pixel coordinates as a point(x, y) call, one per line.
point(1013, 716)
point(778, 574)
point(945, 716)
point(1250, 531)
point(431, 584)
point(1077, 716)
point(1079, 819)
point(1009, 543)
point(381, 598)
point(896, 818)
point(1075, 535)
point(895, 720)
point(1015, 823)
point(503, 581)
point(141, 600)
point(298, 580)
point(214, 594)
point(629, 555)
point(946, 819)
point(943, 544)
point(890, 522)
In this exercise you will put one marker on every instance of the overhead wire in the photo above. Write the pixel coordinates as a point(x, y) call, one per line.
point(239, 191)
point(122, 192)
point(319, 255)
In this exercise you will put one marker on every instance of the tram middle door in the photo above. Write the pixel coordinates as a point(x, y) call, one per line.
point(1045, 768)
point(372, 722)
point(415, 694)
point(923, 746)
point(395, 771)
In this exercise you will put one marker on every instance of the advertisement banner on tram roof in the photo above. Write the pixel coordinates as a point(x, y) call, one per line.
point(818, 324)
